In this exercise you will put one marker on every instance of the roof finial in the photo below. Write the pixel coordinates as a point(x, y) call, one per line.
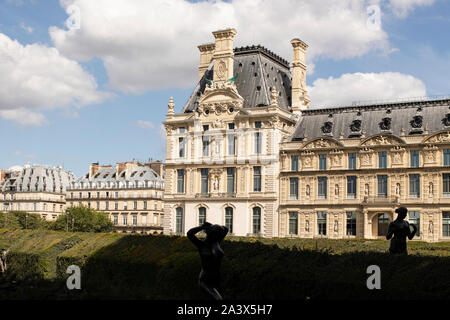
point(171, 106)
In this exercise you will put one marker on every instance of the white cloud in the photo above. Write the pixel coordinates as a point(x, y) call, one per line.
point(24, 117)
point(402, 8)
point(145, 124)
point(364, 86)
point(26, 28)
point(36, 77)
point(149, 45)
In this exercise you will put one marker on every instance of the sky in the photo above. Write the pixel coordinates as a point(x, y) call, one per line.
point(85, 81)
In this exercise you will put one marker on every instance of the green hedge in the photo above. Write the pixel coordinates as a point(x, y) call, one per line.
point(118, 266)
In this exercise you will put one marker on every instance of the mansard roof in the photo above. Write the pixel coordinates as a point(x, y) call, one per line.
point(258, 70)
point(38, 179)
point(405, 118)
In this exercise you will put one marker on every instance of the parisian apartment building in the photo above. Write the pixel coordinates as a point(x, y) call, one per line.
point(35, 189)
point(131, 193)
point(248, 152)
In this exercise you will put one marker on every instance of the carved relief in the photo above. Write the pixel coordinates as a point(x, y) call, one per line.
point(442, 137)
point(320, 143)
point(380, 140)
point(430, 154)
point(307, 158)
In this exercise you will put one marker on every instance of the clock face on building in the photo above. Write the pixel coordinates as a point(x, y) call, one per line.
point(221, 69)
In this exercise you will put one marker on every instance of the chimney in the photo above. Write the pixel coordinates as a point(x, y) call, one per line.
point(223, 55)
point(93, 168)
point(206, 54)
point(300, 99)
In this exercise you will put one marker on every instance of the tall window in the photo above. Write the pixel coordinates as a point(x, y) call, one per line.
point(446, 184)
point(383, 224)
point(322, 223)
point(116, 220)
point(382, 186)
point(294, 163)
point(256, 220)
point(257, 179)
point(229, 219)
point(201, 215)
point(414, 158)
point(231, 144)
point(179, 221)
point(257, 138)
point(446, 157)
point(446, 224)
point(322, 188)
point(352, 161)
point(414, 218)
point(322, 162)
point(293, 223)
point(231, 180)
point(125, 220)
point(181, 144)
point(293, 194)
point(205, 142)
point(180, 181)
point(134, 220)
point(382, 159)
point(351, 187)
point(204, 184)
point(414, 185)
point(351, 223)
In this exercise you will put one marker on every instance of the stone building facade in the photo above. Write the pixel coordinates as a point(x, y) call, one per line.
point(35, 189)
point(131, 193)
point(222, 157)
point(345, 170)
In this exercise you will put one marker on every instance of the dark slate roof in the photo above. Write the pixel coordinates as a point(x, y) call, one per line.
point(432, 112)
point(258, 71)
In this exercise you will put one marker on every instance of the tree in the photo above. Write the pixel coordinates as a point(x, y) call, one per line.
point(84, 219)
point(23, 220)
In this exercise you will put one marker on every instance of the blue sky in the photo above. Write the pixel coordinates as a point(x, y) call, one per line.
point(140, 59)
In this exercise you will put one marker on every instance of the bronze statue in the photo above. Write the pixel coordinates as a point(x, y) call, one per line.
point(211, 256)
point(400, 229)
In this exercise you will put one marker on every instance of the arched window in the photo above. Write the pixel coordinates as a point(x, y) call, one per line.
point(201, 215)
point(179, 221)
point(229, 219)
point(256, 220)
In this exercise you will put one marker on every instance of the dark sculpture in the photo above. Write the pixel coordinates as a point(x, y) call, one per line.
point(416, 122)
point(355, 126)
point(211, 256)
point(400, 229)
point(446, 120)
point(327, 127)
point(385, 124)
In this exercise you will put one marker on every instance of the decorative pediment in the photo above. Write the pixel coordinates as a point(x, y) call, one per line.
point(322, 143)
point(382, 140)
point(220, 92)
point(439, 137)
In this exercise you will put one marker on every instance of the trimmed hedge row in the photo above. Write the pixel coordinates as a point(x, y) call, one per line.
point(117, 266)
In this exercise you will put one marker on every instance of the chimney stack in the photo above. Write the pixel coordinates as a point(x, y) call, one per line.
point(206, 54)
point(223, 54)
point(300, 99)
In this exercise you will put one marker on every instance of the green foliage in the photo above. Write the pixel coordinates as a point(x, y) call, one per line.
point(23, 220)
point(84, 219)
point(118, 266)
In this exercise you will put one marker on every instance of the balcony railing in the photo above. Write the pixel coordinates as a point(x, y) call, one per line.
point(381, 199)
